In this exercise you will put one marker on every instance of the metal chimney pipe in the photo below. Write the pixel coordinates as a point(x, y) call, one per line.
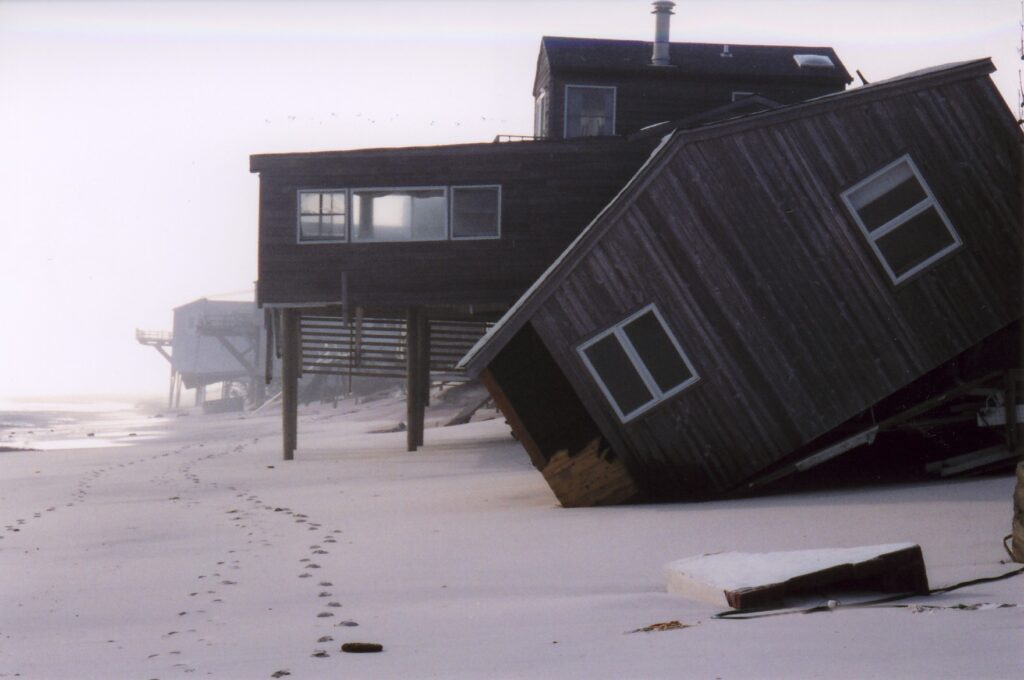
point(663, 13)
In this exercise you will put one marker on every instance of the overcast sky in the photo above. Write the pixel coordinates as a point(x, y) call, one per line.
point(126, 127)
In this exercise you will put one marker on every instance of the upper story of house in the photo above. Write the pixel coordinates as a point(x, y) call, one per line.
point(469, 224)
point(587, 88)
point(475, 224)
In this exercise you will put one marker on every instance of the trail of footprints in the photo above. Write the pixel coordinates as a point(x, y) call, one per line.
point(82, 490)
point(220, 578)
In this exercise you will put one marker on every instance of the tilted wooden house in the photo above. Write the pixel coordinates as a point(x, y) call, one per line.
point(446, 234)
point(775, 288)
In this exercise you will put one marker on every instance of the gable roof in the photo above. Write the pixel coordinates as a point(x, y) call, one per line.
point(689, 60)
point(490, 344)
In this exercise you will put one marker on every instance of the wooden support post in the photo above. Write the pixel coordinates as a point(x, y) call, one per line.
point(414, 377)
point(424, 379)
point(200, 394)
point(177, 392)
point(170, 393)
point(268, 361)
point(291, 336)
point(1010, 406)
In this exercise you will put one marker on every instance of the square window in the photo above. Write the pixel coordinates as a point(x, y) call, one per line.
point(901, 220)
point(323, 215)
point(637, 363)
point(589, 111)
point(476, 212)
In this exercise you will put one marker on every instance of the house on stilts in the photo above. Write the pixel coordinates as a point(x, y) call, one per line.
point(769, 292)
point(214, 341)
point(395, 261)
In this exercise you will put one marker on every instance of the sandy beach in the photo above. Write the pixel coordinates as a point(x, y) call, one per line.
point(198, 552)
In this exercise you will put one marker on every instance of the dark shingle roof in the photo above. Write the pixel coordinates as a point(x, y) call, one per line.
point(688, 59)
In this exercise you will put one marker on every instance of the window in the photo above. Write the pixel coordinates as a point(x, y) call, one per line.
point(903, 223)
point(589, 111)
point(736, 96)
point(813, 61)
point(540, 115)
point(476, 212)
point(637, 363)
point(413, 214)
point(322, 215)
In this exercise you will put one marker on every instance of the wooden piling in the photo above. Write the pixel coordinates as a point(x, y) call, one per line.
point(291, 336)
point(170, 393)
point(414, 378)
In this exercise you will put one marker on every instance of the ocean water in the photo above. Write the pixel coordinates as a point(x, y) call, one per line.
point(75, 424)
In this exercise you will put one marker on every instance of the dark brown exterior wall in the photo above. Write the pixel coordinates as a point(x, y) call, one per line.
point(743, 243)
point(549, 192)
point(643, 101)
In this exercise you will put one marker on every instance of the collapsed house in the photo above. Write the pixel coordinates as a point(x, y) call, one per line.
point(772, 291)
point(395, 261)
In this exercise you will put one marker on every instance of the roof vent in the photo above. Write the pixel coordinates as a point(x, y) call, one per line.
point(663, 13)
point(813, 61)
point(725, 52)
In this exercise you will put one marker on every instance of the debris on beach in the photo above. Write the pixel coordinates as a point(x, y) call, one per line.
point(745, 580)
point(362, 647)
point(657, 627)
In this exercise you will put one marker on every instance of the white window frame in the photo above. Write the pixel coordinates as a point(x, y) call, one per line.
point(298, 217)
point(897, 221)
point(737, 96)
point(540, 115)
point(565, 107)
point(451, 212)
point(658, 395)
point(351, 222)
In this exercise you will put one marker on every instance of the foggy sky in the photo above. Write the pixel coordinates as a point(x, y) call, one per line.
point(125, 131)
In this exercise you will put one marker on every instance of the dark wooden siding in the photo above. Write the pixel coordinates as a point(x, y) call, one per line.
point(743, 243)
point(644, 101)
point(550, 191)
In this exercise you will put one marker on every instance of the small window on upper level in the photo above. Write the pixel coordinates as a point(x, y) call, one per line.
point(589, 111)
point(901, 220)
point(638, 363)
point(399, 214)
point(813, 61)
point(323, 216)
point(476, 212)
point(540, 115)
